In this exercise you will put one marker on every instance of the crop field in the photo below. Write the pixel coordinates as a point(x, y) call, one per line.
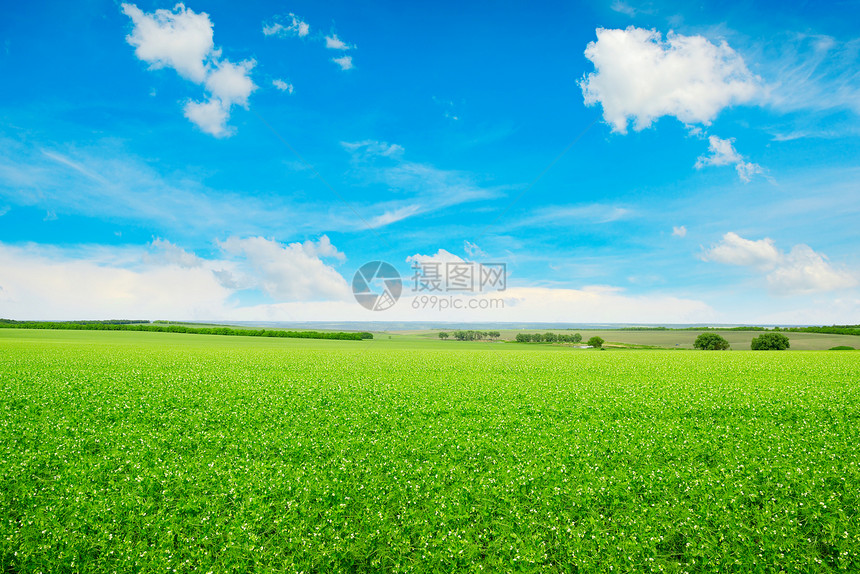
point(150, 452)
point(674, 339)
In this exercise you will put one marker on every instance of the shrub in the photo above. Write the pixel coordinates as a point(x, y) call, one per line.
point(711, 342)
point(595, 342)
point(770, 342)
point(841, 348)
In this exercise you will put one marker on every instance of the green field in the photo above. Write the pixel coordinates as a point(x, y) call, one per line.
point(670, 339)
point(151, 452)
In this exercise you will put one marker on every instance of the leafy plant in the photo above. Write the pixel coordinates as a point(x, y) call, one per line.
point(770, 342)
point(711, 342)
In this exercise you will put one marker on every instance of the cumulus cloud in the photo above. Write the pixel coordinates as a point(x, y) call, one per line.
point(345, 62)
point(290, 272)
point(334, 43)
point(295, 26)
point(799, 271)
point(47, 283)
point(283, 86)
point(210, 116)
point(183, 40)
point(641, 77)
point(679, 231)
point(722, 152)
point(166, 253)
point(441, 256)
point(178, 39)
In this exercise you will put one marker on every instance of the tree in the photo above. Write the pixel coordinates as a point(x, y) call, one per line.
point(711, 342)
point(595, 342)
point(443, 335)
point(524, 338)
point(577, 338)
point(770, 342)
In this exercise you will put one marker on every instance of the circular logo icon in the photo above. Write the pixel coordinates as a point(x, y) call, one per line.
point(377, 286)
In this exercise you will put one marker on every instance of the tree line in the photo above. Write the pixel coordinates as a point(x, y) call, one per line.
point(125, 325)
point(548, 338)
point(471, 335)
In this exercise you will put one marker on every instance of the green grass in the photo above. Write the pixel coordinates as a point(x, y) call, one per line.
point(148, 452)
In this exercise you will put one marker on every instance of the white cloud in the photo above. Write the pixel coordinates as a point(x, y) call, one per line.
point(231, 83)
point(623, 8)
point(295, 27)
point(679, 231)
point(322, 248)
point(345, 62)
point(394, 215)
point(735, 250)
point(723, 153)
point(183, 40)
point(805, 271)
point(103, 181)
point(210, 116)
point(283, 86)
point(178, 39)
point(162, 280)
point(472, 250)
point(334, 43)
point(45, 283)
point(4, 209)
point(370, 148)
point(812, 72)
point(167, 253)
point(290, 272)
point(640, 76)
point(429, 187)
point(595, 213)
point(441, 256)
point(800, 271)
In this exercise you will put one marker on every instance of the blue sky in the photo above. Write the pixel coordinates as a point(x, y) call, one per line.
point(627, 161)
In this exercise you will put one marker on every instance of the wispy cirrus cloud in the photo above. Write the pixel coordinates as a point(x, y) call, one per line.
point(426, 188)
point(101, 181)
point(812, 72)
point(566, 215)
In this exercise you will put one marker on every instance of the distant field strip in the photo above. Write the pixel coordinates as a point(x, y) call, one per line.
point(177, 453)
point(193, 330)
